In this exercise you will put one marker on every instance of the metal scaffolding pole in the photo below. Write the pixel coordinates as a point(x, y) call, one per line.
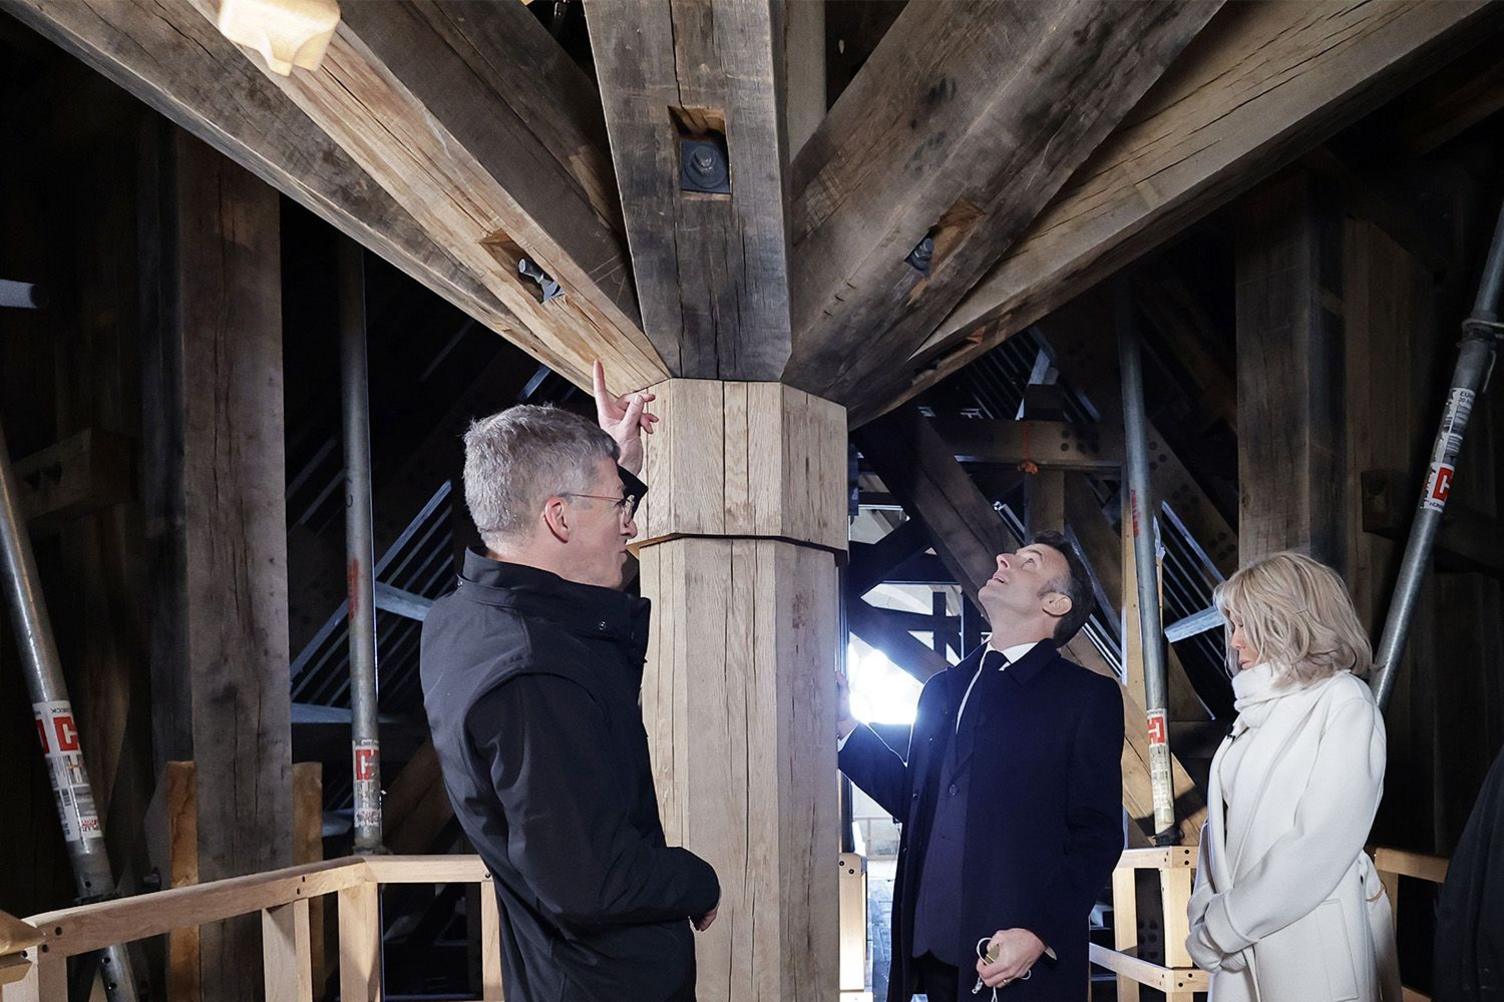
point(83, 829)
point(1481, 333)
point(1141, 522)
point(365, 745)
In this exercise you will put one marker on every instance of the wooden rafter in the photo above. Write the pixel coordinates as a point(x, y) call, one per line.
point(963, 124)
point(1263, 85)
point(452, 139)
point(711, 268)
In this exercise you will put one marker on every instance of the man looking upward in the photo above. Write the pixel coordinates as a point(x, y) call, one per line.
point(1010, 796)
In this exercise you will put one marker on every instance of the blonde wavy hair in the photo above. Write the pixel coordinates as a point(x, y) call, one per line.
point(1298, 616)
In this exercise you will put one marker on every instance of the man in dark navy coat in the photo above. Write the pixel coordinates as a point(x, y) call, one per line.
point(1010, 797)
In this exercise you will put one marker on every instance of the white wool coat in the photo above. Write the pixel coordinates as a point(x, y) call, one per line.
point(1287, 905)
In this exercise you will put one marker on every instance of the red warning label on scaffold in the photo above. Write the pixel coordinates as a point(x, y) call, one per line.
point(367, 768)
point(1159, 732)
point(1438, 487)
point(58, 734)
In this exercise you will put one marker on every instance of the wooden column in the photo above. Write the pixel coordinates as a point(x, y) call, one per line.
point(741, 528)
point(213, 466)
point(1290, 372)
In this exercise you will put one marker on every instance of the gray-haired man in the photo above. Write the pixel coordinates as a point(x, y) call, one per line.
point(531, 673)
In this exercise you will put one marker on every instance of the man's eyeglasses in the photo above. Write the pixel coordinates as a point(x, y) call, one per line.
point(626, 505)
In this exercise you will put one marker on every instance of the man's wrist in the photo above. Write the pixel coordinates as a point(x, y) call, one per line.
point(845, 727)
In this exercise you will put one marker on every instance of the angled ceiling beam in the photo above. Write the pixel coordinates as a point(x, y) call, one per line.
point(1263, 85)
point(177, 63)
point(472, 118)
point(711, 266)
point(963, 124)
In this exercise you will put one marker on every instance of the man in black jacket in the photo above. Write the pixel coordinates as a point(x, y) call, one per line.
point(531, 672)
point(1010, 796)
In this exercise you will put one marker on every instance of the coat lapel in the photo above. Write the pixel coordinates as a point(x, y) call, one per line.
point(987, 694)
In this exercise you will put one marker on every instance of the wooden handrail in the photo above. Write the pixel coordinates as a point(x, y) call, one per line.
point(1419, 865)
point(33, 953)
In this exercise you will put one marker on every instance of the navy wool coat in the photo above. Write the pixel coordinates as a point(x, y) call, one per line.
point(1044, 815)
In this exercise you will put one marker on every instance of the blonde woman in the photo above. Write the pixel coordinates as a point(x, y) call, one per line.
point(1287, 906)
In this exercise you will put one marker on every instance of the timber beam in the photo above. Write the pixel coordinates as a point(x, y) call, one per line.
point(960, 128)
point(453, 139)
point(1468, 540)
point(1264, 84)
point(694, 99)
point(1055, 445)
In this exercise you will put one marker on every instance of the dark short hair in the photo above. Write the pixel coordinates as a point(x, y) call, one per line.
point(1076, 587)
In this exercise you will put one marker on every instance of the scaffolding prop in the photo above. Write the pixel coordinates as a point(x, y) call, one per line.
point(1481, 334)
point(365, 743)
point(1144, 526)
point(57, 728)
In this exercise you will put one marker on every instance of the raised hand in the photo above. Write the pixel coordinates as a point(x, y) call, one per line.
point(624, 418)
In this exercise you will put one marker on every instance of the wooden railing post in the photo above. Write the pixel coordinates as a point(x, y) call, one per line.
point(1125, 926)
point(45, 981)
point(490, 943)
point(360, 944)
point(1175, 893)
point(286, 955)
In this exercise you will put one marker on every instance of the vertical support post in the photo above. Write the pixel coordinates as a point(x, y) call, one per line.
point(286, 953)
point(852, 881)
point(308, 847)
point(365, 744)
point(746, 512)
point(180, 781)
point(1142, 524)
point(1125, 925)
point(490, 943)
point(1481, 333)
point(1291, 376)
point(46, 981)
point(1175, 896)
point(360, 944)
point(83, 829)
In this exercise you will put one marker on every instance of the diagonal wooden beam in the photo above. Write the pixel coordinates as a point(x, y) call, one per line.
point(1263, 85)
point(917, 467)
point(871, 562)
point(885, 633)
point(183, 68)
point(963, 124)
point(472, 118)
point(711, 268)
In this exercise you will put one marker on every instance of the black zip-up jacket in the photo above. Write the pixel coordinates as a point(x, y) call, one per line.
point(531, 684)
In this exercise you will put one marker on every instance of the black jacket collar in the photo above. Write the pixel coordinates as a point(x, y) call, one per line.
point(585, 610)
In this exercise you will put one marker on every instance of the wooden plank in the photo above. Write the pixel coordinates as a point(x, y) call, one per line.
point(449, 869)
point(851, 884)
point(490, 943)
point(1194, 342)
point(417, 806)
point(712, 269)
point(1175, 899)
point(308, 847)
point(1149, 974)
point(963, 124)
point(744, 459)
point(1290, 363)
point(124, 920)
point(427, 105)
point(13, 968)
point(360, 943)
point(1421, 866)
point(1468, 539)
point(804, 72)
point(1125, 926)
point(45, 980)
point(81, 474)
point(286, 953)
point(179, 64)
point(1266, 83)
point(16, 935)
point(1049, 445)
point(1158, 858)
point(181, 812)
